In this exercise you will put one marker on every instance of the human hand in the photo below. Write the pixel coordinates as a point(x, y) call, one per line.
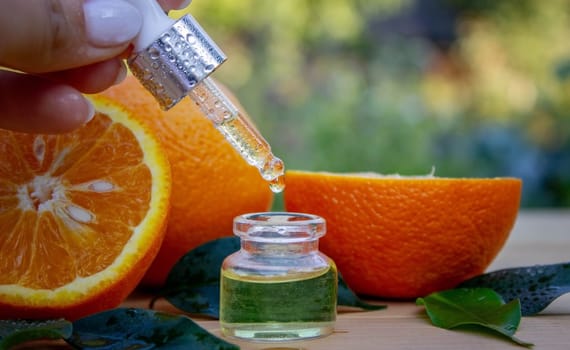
point(61, 49)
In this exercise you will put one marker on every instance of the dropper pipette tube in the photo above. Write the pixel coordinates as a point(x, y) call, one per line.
point(238, 131)
point(173, 59)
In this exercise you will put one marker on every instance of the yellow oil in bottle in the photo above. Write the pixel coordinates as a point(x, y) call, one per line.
point(279, 307)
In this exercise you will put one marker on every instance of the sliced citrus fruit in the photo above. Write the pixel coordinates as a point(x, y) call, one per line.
point(82, 215)
point(212, 182)
point(404, 237)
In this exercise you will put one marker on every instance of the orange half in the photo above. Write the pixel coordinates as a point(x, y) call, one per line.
point(404, 237)
point(82, 215)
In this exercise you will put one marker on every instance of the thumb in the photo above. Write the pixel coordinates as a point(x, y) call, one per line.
point(52, 35)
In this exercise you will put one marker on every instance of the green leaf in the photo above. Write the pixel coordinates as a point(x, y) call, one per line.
point(481, 307)
point(13, 332)
point(193, 284)
point(535, 286)
point(347, 297)
point(128, 328)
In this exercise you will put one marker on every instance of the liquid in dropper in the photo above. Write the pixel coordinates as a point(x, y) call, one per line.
point(239, 132)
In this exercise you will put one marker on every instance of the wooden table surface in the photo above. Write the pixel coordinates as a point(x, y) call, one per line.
point(539, 237)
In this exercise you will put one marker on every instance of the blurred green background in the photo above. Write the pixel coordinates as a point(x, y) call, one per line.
point(472, 88)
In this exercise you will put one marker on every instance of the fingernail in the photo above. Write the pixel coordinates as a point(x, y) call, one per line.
point(111, 22)
point(91, 111)
point(121, 75)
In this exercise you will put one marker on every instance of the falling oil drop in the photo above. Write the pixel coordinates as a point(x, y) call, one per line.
point(277, 185)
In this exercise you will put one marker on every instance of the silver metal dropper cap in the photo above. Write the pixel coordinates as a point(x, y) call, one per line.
point(176, 62)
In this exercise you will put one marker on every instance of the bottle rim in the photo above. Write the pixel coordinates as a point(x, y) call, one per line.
point(286, 227)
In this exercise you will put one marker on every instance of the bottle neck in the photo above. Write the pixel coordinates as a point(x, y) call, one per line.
point(280, 249)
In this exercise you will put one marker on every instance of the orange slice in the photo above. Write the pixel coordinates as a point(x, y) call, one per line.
point(82, 215)
point(404, 237)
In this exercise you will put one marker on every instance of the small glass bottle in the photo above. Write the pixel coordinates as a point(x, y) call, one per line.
point(278, 286)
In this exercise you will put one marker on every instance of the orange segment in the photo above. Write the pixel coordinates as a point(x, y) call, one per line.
point(82, 215)
point(404, 237)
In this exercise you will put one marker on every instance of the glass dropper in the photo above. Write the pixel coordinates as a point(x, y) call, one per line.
point(173, 59)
